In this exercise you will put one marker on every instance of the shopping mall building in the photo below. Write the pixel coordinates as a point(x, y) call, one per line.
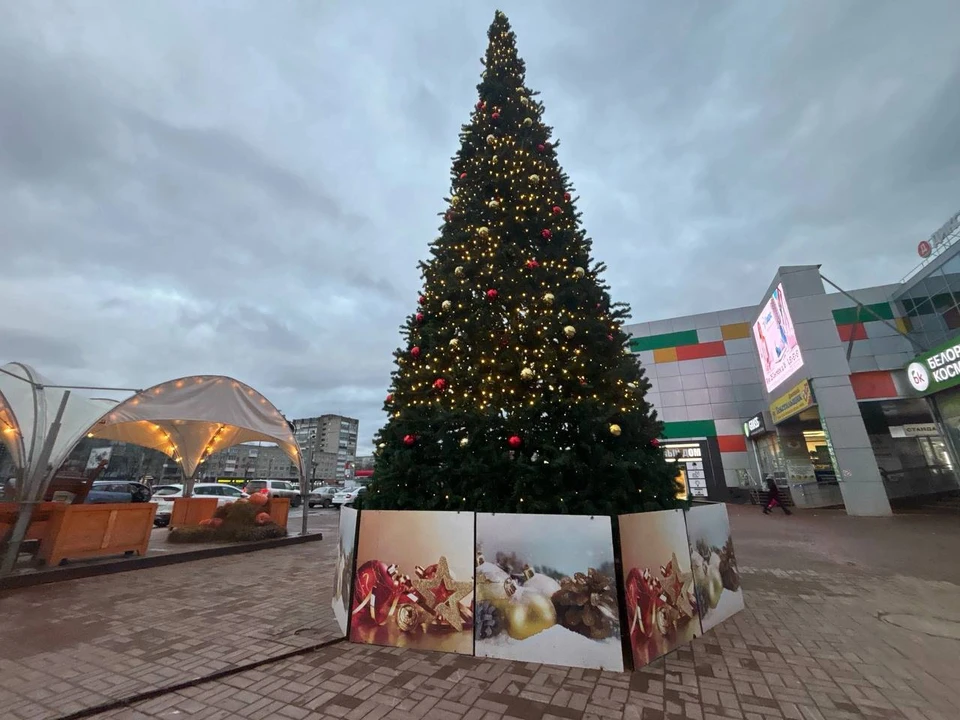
point(846, 397)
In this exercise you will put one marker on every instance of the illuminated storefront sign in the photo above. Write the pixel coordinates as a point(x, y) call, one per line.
point(755, 426)
point(794, 401)
point(936, 370)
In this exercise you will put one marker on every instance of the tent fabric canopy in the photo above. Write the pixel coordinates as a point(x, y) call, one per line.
point(28, 408)
point(190, 418)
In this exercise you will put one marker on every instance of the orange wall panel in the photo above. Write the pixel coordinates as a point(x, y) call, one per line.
point(665, 355)
point(736, 331)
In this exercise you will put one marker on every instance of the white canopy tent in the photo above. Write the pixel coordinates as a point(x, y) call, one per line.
point(193, 417)
point(188, 419)
point(28, 406)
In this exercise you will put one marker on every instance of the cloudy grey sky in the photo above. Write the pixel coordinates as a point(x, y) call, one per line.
point(245, 188)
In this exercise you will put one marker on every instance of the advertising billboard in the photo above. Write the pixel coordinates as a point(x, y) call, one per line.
point(777, 341)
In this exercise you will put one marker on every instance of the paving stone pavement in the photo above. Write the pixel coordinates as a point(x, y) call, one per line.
point(814, 644)
point(73, 645)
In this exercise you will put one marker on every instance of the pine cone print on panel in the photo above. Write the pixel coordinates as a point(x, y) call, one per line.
point(489, 620)
point(729, 572)
point(587, 605)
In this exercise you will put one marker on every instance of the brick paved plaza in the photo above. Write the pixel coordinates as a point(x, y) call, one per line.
point(817, 641)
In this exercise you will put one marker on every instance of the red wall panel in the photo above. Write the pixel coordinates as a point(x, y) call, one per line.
point(873, 385)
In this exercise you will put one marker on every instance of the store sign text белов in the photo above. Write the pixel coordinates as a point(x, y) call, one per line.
point(936, 370)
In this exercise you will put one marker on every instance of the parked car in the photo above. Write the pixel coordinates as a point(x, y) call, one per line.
point(277, 488)
point(348, 496)
point(118, 491)
point(322, 496)
point(165, 496)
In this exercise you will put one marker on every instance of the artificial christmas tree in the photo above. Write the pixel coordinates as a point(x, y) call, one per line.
point(515, 391)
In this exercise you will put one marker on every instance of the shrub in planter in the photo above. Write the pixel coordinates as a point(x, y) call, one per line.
point(242, 521)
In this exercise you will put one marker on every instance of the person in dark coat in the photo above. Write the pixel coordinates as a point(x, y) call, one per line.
point(773, 497)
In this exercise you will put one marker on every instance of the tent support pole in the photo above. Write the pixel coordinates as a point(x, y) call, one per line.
point(305, 486)
point(35, 484)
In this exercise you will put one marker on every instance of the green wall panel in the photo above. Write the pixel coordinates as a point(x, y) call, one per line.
point(667, 340)
point(689, 429)
point(848, 316)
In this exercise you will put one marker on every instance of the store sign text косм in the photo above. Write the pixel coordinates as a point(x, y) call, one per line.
point(937, 370)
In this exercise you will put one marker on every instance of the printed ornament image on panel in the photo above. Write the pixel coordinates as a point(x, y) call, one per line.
point(343, 569)
point(659, 591)
point(413, 585)
point(716, 577)
point(546, 590)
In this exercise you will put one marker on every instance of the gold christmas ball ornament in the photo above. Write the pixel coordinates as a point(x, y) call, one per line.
point(382, 445)
point(491, 139)
point(526, 374)
point(527, 122)
point(569, 331)
point(454, 343)
point(529, 613)
point(548, 299)
point(455, 200)
point(458, 271)
point(615, 430)
point(579, 272)
point(446, 305)
point(493, 204)
point(524, 100)
point(464, 442)
point(534, 178)
point(409, 616)
point(484, 231)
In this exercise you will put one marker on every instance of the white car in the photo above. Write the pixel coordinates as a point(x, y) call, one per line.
point(347, 497)
point(165, 496)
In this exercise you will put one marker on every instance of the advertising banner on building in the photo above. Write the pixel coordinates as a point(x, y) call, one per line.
point(794, 401)
point(776, 341)
point(936, 370)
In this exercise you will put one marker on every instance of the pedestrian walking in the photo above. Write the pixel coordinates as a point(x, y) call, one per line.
point(773, 497)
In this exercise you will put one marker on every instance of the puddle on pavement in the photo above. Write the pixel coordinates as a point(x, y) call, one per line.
point(937, 627)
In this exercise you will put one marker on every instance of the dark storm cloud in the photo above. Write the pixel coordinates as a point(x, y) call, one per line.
point(185, 189)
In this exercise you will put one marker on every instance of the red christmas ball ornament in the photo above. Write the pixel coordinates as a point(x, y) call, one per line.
point(644, 595)
point(610, 338)
point(532, 264)
point(541, 147)
point(373, 592)
point(422, 299)
point(409, 440)
point(263, 518)
point(420, 317)
point(557, 210)
point(566, 196)
point(389, 397)
point(439, 384)
point(415, 351)
point(515, 441)
point(546, 234)
point(463, 176)
point(492, 294)
point(655, 442)
point(448, 216)
point(495, 116)
point(480, 104)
